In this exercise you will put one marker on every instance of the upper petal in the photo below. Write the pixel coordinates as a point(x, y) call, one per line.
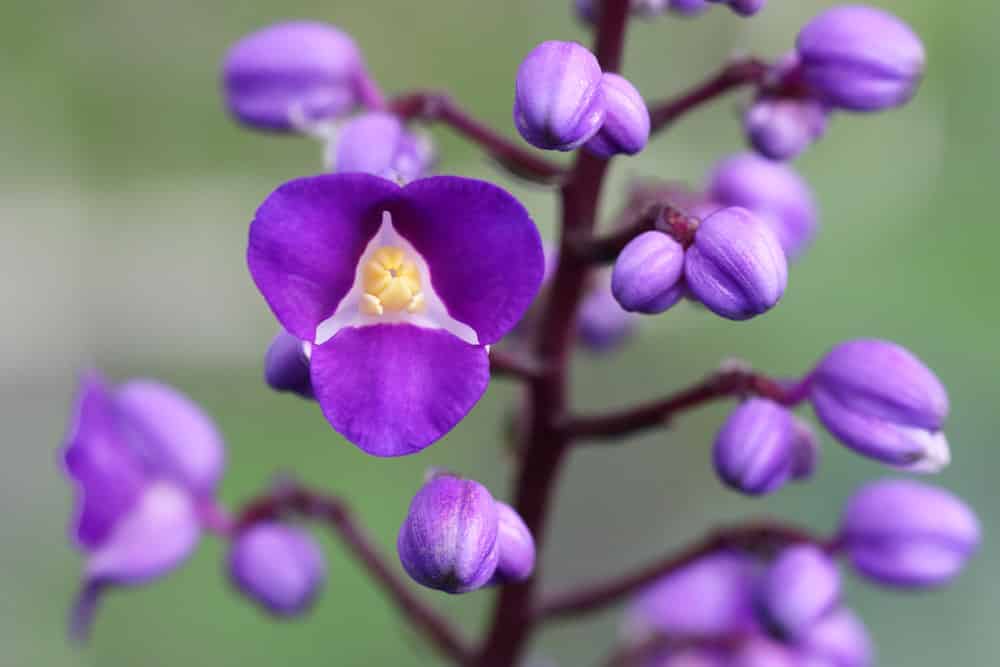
point(306, 240)
point(482, 248)
point(393, 389)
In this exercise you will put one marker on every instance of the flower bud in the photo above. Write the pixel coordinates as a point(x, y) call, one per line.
point(286, 365)
point(909, 534)
point(736, 266)
point(839, 639)
point(799, 588)
point(881, 401)
point(558, 97)
point(626, 119)
point(279, 566)
point(588, 11)
point(288, 75)
point(860, 58)
point(773, 191)
point(602, 324)
point(754, 451)
point(781, 128)
point(378, 143)
point(743, 7)
point(688, 7)
point(515, 546)
point(805, 450)
point(449, 538)
point(648, 272)
point(762, 652)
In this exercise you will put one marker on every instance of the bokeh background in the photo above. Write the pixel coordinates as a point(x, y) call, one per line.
point(125, 194)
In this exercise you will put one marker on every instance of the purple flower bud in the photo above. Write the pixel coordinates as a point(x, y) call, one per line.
point(289, 75)
point(736, 266)
point(449, 538)
point(881, 401)
point(713, 596)
point(648, 272)
point(558, 97)
point(378, 143)
point(279, 566)
point(762, 652)
point(743, 7)
point(805, 455)
point(773, 191)
point(905, 533)
point(800, 587)
point(515, 545)
point(602, 324)
point(754, 451)
point(839, 639)
point(860, 58)
point(688, 7)
point(781, 128)
point(626, 119)
point(286, 365)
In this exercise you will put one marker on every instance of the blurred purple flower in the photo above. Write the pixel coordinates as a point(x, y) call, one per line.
point(279, 566)
point(378, 143)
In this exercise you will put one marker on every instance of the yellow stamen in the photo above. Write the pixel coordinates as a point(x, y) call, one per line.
point(391, 283)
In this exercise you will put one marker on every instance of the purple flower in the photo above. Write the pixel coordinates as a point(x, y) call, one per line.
point(647, 276)
point(290, 75)
point(799, 588)
point(773, 191)
point(712, 596)
point(883, 402)
point(602, 324)
point(399, 291)
point(558, 96)
point(762, 652)
point(626, 120)
point(145, 461)
point(781, 128)
point(515, 546)
point(755, 449)
point(277, 565)
point(688, 7)
point(743, 7)
point(839, 639)
point(736, 266)
point(905, 533)
point(860, 58)
point(805, 456)
point(378, 143)
point(449, 538)
point(286, 365)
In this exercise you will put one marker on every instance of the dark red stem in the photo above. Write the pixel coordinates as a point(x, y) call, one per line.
point(440, 107)
point(514, 364)
point(664, 218)
point(749, 71)
point(294, 499)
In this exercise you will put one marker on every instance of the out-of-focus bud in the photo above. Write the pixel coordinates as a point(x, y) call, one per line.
point(839, 639)
point(449, 538)
point(743, 7)
point(289, 75)
point(626, 119)
point(755, 449)
point(781, 128)
point(773, 191)
point(286, 365)
point(515, 545)
point(602, 324)
point(687, 7)
point(279, 566)
point(762, 652)
point(736, 266)
point(805, 455)
point(378, 143)
point(905, 533)
point(558, 97)
point(799, 588)
point(648, 272)
point(711, 597)
point(860, 58)
point(883, 402)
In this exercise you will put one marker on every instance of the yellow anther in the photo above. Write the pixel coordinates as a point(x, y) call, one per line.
point(416, 303)
point(370, 305)
point(391, 283)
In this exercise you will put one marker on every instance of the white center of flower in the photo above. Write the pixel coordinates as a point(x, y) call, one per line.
point(392, 284)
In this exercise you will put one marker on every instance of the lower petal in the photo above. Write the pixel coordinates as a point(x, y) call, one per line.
point(393, 389)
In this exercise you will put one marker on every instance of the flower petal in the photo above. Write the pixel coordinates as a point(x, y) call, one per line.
point(393, 389)
point(306, 240)
point(483, 250)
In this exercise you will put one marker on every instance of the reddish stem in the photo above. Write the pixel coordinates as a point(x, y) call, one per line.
point(508, 363)
point(749, 71)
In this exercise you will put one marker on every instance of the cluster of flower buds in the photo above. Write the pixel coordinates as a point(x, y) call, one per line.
point(849, 58)
point(563, 101)
point(783, 606)
point(588, 10)
point(456, 538)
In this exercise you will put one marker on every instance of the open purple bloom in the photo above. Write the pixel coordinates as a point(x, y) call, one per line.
point(881, 401)
point(289, 75)
point(279, 566)
point(399, 290)
point(378, 143)
point(145, 460)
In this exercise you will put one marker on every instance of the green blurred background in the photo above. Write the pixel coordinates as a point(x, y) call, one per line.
point(125, 194)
